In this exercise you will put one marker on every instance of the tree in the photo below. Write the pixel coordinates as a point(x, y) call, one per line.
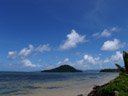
point(125, 57)
point(121, 69)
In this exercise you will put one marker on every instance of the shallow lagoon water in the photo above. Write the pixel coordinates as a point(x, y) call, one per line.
point(50, 84)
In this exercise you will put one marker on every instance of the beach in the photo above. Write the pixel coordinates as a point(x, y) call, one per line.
point(52, 84)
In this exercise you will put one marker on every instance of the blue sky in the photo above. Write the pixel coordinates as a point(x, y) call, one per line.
point(43, 34)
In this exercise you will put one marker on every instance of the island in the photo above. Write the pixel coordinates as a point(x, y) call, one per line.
point(63, 68)
point(109, 70)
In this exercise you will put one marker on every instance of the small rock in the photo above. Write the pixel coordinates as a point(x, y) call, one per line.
point(96, 87)
point(80, 95)
point(116, 93)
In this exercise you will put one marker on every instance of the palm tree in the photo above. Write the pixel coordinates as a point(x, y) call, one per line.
point(121, 69)
point(125, 57)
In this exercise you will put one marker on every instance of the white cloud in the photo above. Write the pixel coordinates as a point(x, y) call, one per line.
point(28, 63)
point(96, 35)
point(89, 62)
point(72, 40)
point(79, 54)
point(26, 51)
point(112, 45)
point(88, 59)
point(114, 29)
point(81, 64)
point(12, 55)
point(117, 58)
point(42, 48)
point(106, 60)
point(66, 61)
point(105, 33)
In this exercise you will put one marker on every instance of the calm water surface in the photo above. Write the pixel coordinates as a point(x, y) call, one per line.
point(50, 84)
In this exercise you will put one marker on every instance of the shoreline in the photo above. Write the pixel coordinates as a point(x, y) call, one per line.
point(95, 89)
point(77, 84)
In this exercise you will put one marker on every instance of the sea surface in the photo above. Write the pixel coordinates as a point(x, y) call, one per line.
point(50, 84)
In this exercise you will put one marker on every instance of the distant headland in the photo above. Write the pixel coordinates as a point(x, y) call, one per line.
point(109, 70)
point(63, 68)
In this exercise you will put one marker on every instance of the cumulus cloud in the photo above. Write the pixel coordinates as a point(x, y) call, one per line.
point(28, 63)
point(12, 55)
point(89, 59)
point(105, 33)
point(106, 60)
point(94, 62)
point(117, 58)
point(42, 48)
point(96, 34)
point(72, 40)
point(78, 54)
point(26, 51)
point(114, 29)
point(66, 61)
point(89, 62)
point(112, 45)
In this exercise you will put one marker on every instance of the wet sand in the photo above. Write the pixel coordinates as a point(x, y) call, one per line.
point(71, 87)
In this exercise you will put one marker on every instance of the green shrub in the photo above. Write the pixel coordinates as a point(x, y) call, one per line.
point(119, 84)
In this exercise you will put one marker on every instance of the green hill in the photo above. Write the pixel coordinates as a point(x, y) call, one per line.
point(63, 68)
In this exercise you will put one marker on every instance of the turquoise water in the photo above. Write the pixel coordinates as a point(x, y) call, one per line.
point(50, 84)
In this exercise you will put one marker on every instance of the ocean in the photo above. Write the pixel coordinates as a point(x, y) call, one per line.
point(51, 84)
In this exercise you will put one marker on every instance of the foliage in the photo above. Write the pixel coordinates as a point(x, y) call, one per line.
point(125, 57)
point(119, 84)
point(121, 69)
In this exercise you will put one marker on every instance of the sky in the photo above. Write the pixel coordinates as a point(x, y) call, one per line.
point(43, 34)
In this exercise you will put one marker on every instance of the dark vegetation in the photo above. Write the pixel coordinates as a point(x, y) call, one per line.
point(116, 87)
point(63, 68)
point(120, 85)
point(109, 70)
